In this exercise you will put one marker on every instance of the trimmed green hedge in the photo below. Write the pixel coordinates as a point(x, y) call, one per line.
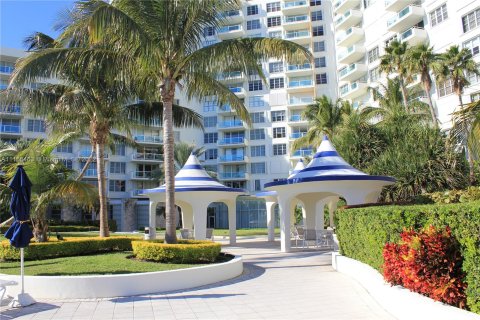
point(186, 251)
point(67, 248)
point(363, 232)
point(72, 226)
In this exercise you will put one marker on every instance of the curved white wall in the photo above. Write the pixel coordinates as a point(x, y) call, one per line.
point(106, 286)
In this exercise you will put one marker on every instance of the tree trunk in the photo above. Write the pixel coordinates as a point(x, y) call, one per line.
point(40, 228)
point(102, 190)
point(404, 93)
point(430, 104)
point(85, 167)
point(471, 164)
point(168, 90)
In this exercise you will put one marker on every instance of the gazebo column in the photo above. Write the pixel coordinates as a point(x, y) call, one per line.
point(152, 220)
point(332, 206)
point(187, 216)
point(200, 219)
point(271, 219)
point(319, 215)
point(293, 206)
point(232, 221)
point(284, 206)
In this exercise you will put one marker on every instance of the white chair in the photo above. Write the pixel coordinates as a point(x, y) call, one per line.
point(298, 233)
point(325, 238)
point(310, 235)
point(3, 286)
point(210, 234)
point(186, 234)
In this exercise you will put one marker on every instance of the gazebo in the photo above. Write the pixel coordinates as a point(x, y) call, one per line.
point(195, 190)
point(326, 178)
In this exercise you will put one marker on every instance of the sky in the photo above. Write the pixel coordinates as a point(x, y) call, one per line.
point(20, 18)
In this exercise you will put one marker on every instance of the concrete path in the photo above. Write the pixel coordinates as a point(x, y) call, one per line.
point(299, 285)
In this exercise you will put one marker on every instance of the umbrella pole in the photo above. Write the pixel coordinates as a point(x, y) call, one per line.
point(23, 299)
point(22, 269)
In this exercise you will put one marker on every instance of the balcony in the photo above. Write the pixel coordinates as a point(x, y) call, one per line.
point(147, 157)
point(239, 91)
point(224, 109)
point(407, 17)
point(91, 174)
point(230, 124)
point(233, 176)
point(231, 32)
point(149, 139)
point(299, 69)
point(350, 37)
point(83, 155)
point(413, 36)
point(341, 6)
point(395, 5)
point(351, 54)
point(10, 129)
point(302, 153)
point(6, 69)
point(299, 101)
point(232, 16)
point(349, 19)
point(11, 110)
point(353, 90)
point(296, 22)
point(232, 141)
point(297, 120)
point(137, 193)
point(141, 175)
point(298, 36)
point(230, 158)
point(296, 135)
point(299, 85)
point(230, 76)
point(293, 7)
point(352, 72)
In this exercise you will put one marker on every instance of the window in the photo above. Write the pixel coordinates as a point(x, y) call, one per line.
point(252, 10)
point(118, 149)
point(209, 122)
point(319, 46)
point(279, 132)
point(279, 149)
point(255, 85)
point(256, 101)
point(278, 116)
point(274, 67)
point(314, 3)
point(317, 31)
point(445, 88)
point(273, 7)
point(116, 185)
point(471, 20)
point(374, 74)
point(253, 24)
point(258, 186)
point(277, 83)
point(117, 167)
point(208, 31)
point(473, 78)
point(320, 62)
point(473, 45)
point(35, 125)
point(257, 167)
point(438, 15)
point(373, 55)
point(475, 97)
point(210, 137)
point(275, 34)
point(211, 154)
point(257, 117)
point(316, 15)
point(257, 151)
point(321, 78)
point(257, 134)
point(68, 163)
point(65, 148)
point(209, 106)
point(274, 22)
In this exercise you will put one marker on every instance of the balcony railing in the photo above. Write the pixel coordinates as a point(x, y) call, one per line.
point(296, 67)
point(343, 72)
point(225, 108)
point(147, 156)
point(292, 19)
point(91, 173)
point(230, 13)
point(6, 69)
point(142, 174)
point(232, 158)
point(226, 29)
point(300, 83)
point(230, 75)
point(6, 128)
point(87, 153)
point(11, 109)
point(296, 118)
point(303, 153)
point(149, 139)
point(399, 15)
point(235, 140)
point(137, 192)
point(294, 4)
point(296, 135)
point(297, 34)
point(301, 100)
point(236, 89)
point(230, 124)
point(232, 175)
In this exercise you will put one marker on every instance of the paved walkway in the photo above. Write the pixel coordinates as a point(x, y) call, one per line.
point(299, 285)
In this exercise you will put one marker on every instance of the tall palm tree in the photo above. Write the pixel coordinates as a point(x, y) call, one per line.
point(165, 38)
point(393, 61)
point(324, 117)
point(455, 65)
point(93, 97)
point(420, 60)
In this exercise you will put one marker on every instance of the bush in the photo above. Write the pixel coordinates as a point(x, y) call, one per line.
point(450, 196)
point(73, 226)
point(186, 251)
point(363, 233)
point(428, 262)
point(66, 248)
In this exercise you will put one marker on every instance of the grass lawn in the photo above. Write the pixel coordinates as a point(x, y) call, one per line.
point(106, 263)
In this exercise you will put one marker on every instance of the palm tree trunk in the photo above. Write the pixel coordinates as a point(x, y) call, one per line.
point(404, 93)
point(430, 104)
point(471, 165)
point(87, 164)
point(169, 162)
point(102, 190)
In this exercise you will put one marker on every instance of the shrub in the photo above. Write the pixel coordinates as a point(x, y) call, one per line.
point(450, 196)
point(186, 251)
point(73, 226)
point(363, 233)
point(66, 248)
point(428, 262)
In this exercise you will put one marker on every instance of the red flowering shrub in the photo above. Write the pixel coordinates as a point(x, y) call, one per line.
point(428, 262)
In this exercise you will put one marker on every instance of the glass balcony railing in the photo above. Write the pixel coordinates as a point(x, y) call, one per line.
point(303, 153)
point(235, 140)
point(230, 124)
point(296, 118)
point(232, 175)
point(142, 174)
point(236, 89)
point(293, 19)
point(295, 67)
point(293, 4)
point(407, 34)
point(229, 75)
point(232, 158)
point(300, 100)
point(91, 173)
point(344, 35)
point(225, 108)
point(6, 69)
point(149, 139)
point(11, 109)
point(87, 153)
point(345, 53)
point(342, 18)
point(343, 72)
point(230, 13)
point(147, 156)
point(297, 34)
point(3, 86)
point(226, 29)
point(6, 128)
point(399, 15)
point(137, 192)
point(300, 83)
point(339, 3)
point(296, 135)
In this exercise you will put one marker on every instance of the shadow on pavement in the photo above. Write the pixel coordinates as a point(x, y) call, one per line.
point(12, 313)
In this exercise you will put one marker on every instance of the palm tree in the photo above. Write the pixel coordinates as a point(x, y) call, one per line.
point(393, 61)
point(420, 60)
point(324, 117)
point(93, 98)
point(52, 182)
point(165, 39)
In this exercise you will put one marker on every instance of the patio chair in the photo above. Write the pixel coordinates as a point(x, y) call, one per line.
point(186, 234)
point(3, 286)
point(310, 235)
point(210, 234)
point(298, 233)
point(324, 238)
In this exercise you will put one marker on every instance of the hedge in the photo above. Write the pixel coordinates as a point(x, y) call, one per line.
point(186, 251)
point(72, 226)
point(363, 232)
point(68, 247)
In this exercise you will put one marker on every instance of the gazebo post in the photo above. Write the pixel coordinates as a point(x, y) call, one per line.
point(187, 216)
point(232, 220)
point(152, 221)
point(332, 206)
point(200, 220)
point(271, 219)
point(284, 206)
point(320, 215)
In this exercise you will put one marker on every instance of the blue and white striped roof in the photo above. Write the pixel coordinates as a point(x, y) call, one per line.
point(298, 167)
point(193, 177)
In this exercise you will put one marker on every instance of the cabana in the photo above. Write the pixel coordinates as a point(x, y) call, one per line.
point(195, 190)
point(326, 178)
